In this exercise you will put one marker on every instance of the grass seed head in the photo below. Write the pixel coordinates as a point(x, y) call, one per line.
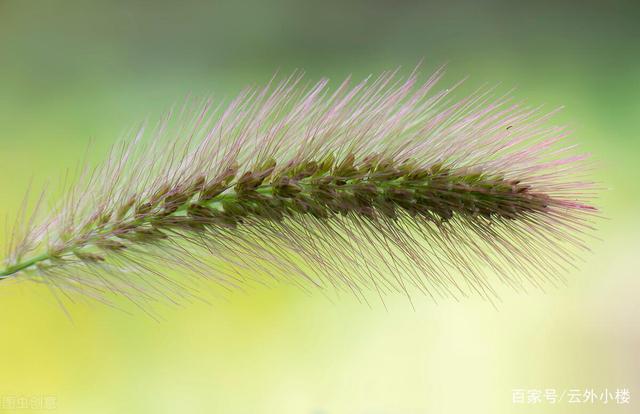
point(383, 186)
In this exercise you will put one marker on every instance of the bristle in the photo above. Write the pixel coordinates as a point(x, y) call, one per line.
point(384, 186)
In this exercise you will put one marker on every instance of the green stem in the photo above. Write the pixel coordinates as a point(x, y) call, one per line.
point(22, 265)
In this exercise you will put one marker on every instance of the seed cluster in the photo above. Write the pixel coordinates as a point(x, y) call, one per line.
point(386, 185)
point(374, 189)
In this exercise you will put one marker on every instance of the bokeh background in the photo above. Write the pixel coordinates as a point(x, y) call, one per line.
point(80, 72)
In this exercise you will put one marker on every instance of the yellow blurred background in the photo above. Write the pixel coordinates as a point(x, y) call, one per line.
point(75, 72)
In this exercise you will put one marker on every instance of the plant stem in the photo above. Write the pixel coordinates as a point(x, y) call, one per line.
point(22, 265)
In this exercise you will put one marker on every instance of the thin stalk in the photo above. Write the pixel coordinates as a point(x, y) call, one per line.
point(10, 270)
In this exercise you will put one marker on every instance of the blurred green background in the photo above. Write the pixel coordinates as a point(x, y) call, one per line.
point(75, 72)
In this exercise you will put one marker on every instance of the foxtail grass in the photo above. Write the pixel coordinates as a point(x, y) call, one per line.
point(384, 186)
